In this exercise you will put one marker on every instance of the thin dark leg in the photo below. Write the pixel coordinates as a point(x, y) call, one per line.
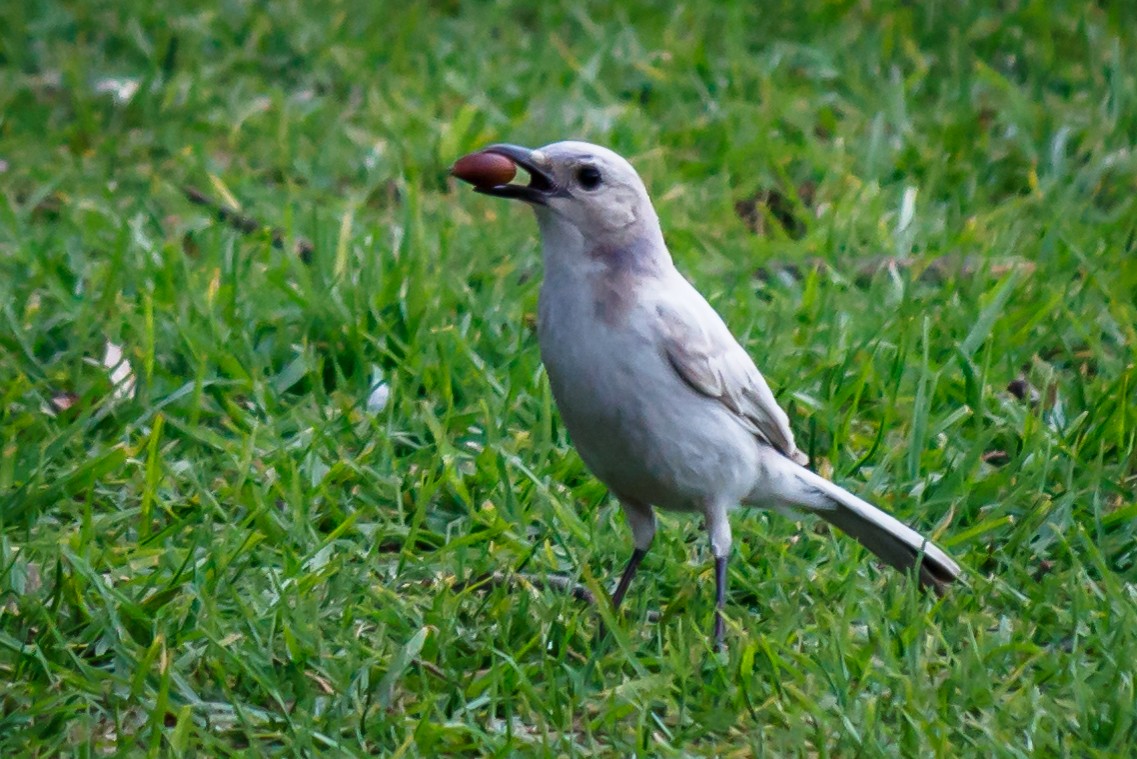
point(626, 578)
point(622, 587)
point(720, 600)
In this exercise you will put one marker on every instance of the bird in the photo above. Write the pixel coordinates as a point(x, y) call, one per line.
point(661, 402)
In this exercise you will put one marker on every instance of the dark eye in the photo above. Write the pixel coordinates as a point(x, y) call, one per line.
point(588, 177)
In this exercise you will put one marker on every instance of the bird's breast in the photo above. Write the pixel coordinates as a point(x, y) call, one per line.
point(637, 425)
point(592, 362)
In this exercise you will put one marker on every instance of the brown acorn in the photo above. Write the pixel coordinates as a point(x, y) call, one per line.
point(484, 169)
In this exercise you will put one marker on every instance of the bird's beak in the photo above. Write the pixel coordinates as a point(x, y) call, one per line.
point(541, 185)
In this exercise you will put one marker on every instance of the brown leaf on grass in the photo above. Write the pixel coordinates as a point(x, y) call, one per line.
point(1024, 391)
point(938, 270)
point(997, 458)
point(551, 582)
point(1044, 568)
point(754, 209)
point(48, 208)
point(61, 401)
point(189, 246)
point(321, 681)
point(548, 582)
point(247, 224)
point(1038, 385)
point(384, 195)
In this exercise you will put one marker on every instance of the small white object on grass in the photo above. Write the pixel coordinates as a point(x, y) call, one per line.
point(122, 89)
point(380, 392)
point(121, 372)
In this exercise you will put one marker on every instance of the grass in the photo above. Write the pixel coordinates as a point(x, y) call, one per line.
point(242, 556)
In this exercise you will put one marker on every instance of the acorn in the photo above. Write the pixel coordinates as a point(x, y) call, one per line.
point(484, 169)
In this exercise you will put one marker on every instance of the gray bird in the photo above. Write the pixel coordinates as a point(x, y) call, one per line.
point(663, 404)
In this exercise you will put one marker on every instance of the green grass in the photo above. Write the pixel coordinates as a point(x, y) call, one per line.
point(241, 557)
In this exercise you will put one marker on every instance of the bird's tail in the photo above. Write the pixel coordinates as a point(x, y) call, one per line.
point(894, 542)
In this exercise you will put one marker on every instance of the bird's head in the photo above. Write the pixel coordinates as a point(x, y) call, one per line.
point(583, 186)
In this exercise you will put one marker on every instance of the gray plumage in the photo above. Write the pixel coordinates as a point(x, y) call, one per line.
point(663, 404)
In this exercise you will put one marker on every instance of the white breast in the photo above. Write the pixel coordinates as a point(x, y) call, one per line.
point(638, 426)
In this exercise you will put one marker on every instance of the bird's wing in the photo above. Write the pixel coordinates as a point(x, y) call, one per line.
point(708, 358)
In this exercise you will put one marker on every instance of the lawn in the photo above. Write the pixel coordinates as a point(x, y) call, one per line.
point(268, 529)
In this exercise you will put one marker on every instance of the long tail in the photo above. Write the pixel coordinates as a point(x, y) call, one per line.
point(894, 542)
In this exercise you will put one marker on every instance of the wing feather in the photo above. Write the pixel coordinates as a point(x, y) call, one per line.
point(707, 357)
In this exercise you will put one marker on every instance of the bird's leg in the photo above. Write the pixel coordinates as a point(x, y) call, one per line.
point(626, 578)
point(642, 521)
point(718, 525)
point(720, 600)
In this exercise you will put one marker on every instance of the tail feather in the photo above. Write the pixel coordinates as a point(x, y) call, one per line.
point(891, 540)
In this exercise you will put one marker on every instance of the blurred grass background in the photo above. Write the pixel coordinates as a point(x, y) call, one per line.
point(241, 554)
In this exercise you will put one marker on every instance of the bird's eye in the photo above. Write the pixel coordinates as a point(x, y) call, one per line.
point(589, 177)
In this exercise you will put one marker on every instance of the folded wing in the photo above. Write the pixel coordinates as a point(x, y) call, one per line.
point(708, 358)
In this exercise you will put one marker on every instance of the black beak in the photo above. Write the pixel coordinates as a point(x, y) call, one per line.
point(541, 185)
